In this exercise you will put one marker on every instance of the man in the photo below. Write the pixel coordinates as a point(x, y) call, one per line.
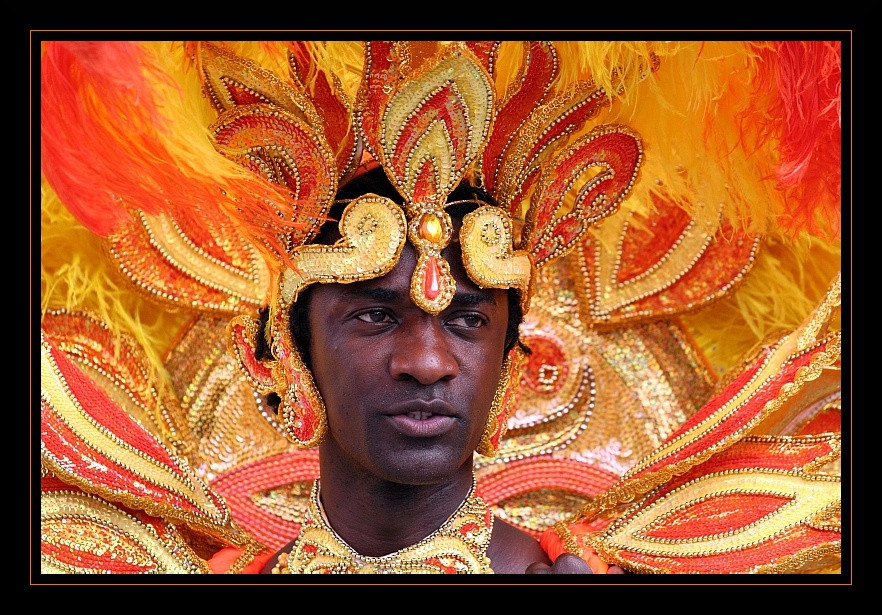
point(431, 114)
point(408, 395)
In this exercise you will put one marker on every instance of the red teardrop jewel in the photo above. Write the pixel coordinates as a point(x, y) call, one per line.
point(432, 279)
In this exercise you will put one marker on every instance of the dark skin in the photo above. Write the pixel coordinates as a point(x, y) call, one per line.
point(407, 417)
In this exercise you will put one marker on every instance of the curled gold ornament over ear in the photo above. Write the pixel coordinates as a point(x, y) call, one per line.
point(373, 230)
point(486, 238)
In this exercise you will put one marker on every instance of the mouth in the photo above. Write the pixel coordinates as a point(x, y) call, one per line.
point(421, 409)
point(419, 415)
point(422, 419)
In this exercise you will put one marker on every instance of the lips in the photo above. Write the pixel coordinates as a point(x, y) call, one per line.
point(422, 419)
point(419, 415)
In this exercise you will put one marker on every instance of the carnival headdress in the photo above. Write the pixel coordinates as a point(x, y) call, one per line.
point(428, 118)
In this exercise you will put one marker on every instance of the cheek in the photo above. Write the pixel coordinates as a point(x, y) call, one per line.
point(333, 376)
point(486, 374)
point(346, 384)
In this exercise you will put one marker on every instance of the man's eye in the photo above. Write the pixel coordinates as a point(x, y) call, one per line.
point(374, 316)
point(470, 321)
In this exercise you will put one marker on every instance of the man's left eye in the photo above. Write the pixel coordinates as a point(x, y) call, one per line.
point(471, 321)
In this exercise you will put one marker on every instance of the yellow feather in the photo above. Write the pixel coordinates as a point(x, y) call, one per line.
point(787, 281)
point(76, 274)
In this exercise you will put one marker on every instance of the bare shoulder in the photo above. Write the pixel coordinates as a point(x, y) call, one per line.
point(512, 549)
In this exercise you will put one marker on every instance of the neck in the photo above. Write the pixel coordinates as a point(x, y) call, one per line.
point(377, 517)
point(458, 546)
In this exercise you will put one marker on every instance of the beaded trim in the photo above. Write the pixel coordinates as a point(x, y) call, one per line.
point(459, 546)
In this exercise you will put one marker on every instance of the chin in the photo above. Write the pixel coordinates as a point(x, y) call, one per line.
point(426, 467)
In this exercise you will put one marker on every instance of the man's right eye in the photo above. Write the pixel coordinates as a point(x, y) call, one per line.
point(374, 316)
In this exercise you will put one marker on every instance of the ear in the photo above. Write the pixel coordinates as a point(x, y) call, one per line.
point(242, 334)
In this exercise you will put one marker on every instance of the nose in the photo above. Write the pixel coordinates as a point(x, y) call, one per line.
point(422, 352)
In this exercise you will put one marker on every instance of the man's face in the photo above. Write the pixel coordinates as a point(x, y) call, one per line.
point(407, 393)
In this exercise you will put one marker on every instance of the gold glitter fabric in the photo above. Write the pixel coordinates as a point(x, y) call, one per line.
point(671, 238)
point(114, 496)
point(459, 546)
point(81, 533)
point(728, 491)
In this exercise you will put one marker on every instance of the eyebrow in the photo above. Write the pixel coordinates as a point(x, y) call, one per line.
point(473, 298)
point(386, 294)
point(375, 293)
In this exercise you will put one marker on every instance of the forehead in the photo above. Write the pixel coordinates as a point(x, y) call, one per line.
point(395, 285)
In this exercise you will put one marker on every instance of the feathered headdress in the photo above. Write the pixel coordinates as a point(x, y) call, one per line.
point(209, 167)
